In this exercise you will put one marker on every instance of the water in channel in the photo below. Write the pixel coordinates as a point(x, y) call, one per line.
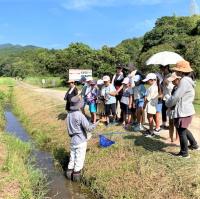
point(59, 187)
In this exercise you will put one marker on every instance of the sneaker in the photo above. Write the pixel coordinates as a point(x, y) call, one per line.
point(182, 155)
point(150, 135)
point(196, 148)
point(157, 131)
point(114, 122)
point(138, 128)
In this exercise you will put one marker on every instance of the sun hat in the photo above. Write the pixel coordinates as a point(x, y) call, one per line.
point(137, 78)
point(89, 79)
point(71, 81)
point(150, 76)
point(183, 66)
point(76, 103)
point(106, 78)
point(126, 80)
point(173, 76)
point(100, 82)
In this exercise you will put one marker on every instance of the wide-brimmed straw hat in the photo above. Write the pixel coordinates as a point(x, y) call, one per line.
point(76, 103)
point(173, 76)
point(183, 66)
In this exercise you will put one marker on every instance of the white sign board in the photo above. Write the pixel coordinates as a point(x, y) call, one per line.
point(76, 74)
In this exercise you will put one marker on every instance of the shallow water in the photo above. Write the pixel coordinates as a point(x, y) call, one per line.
point(59, 187)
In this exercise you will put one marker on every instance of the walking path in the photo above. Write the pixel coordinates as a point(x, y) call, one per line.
point(59, 95)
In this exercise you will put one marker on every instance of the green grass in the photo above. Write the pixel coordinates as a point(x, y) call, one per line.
point(20, 168)
point(197, 97)
point(50, 82)
point(7, 81)
point(24, 180)
point(135, 167)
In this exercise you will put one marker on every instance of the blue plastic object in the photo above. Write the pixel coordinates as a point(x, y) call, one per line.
point(105, 142)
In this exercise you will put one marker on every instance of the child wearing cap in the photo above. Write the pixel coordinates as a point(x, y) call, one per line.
point(126, 101)
point(85, 90)
point(109, 93)
point(100, 100)
point(151, 101)
point(91, 100)
point(139, 93)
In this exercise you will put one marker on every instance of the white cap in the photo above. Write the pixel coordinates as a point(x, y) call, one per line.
point(100, 82)
point(89, 79)
point(137, 78)
point(173, 76)
point(106, 78)
point(126, 80)
point(150, 76)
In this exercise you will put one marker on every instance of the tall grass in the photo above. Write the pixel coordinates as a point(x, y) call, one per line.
point(26, 181)
point(50, 82)
point(20, 168)
point(135, 167)
point(197, 97)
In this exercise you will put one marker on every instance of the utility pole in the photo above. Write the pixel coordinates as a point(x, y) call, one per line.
point(194, 8)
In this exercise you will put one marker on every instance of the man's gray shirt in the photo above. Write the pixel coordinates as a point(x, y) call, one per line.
point(78, 125)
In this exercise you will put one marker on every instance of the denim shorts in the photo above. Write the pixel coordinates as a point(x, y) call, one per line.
point(93, 108)
point(139, 103)
point(159, 108)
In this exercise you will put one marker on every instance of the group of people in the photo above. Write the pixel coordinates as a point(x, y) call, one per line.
point(127, 98)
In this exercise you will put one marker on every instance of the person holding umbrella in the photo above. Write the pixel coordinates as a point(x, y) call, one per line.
point(183, 99)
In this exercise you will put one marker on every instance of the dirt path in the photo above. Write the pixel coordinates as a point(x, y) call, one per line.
point(59, 95)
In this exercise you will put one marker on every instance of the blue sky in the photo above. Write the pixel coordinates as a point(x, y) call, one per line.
point(57, 23)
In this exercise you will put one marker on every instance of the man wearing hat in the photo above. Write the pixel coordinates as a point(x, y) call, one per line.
point(183, 99)
point(78, 126)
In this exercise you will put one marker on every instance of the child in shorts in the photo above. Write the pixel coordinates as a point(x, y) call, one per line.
point(91, 99)
point(151, 101)
point(126, 101)
point(139, 93)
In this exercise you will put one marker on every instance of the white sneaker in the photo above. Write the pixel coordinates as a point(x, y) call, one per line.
point(139, 127)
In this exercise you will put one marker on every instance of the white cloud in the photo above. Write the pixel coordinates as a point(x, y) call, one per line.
point(87, 4)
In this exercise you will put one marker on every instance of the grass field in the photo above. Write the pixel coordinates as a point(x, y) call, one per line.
point(197, 97)
point(18, 177)
point(134, 168)
point(50, 82)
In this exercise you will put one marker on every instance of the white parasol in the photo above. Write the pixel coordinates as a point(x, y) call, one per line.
point(164, 58)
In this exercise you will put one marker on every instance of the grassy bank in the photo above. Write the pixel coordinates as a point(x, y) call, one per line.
point(197, 97)
point(19, 179)
point(50, 82)
point(135, 167)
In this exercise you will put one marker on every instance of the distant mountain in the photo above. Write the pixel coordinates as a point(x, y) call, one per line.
point(10, 48)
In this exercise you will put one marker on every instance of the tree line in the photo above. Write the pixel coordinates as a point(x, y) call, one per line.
point(178, 34)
